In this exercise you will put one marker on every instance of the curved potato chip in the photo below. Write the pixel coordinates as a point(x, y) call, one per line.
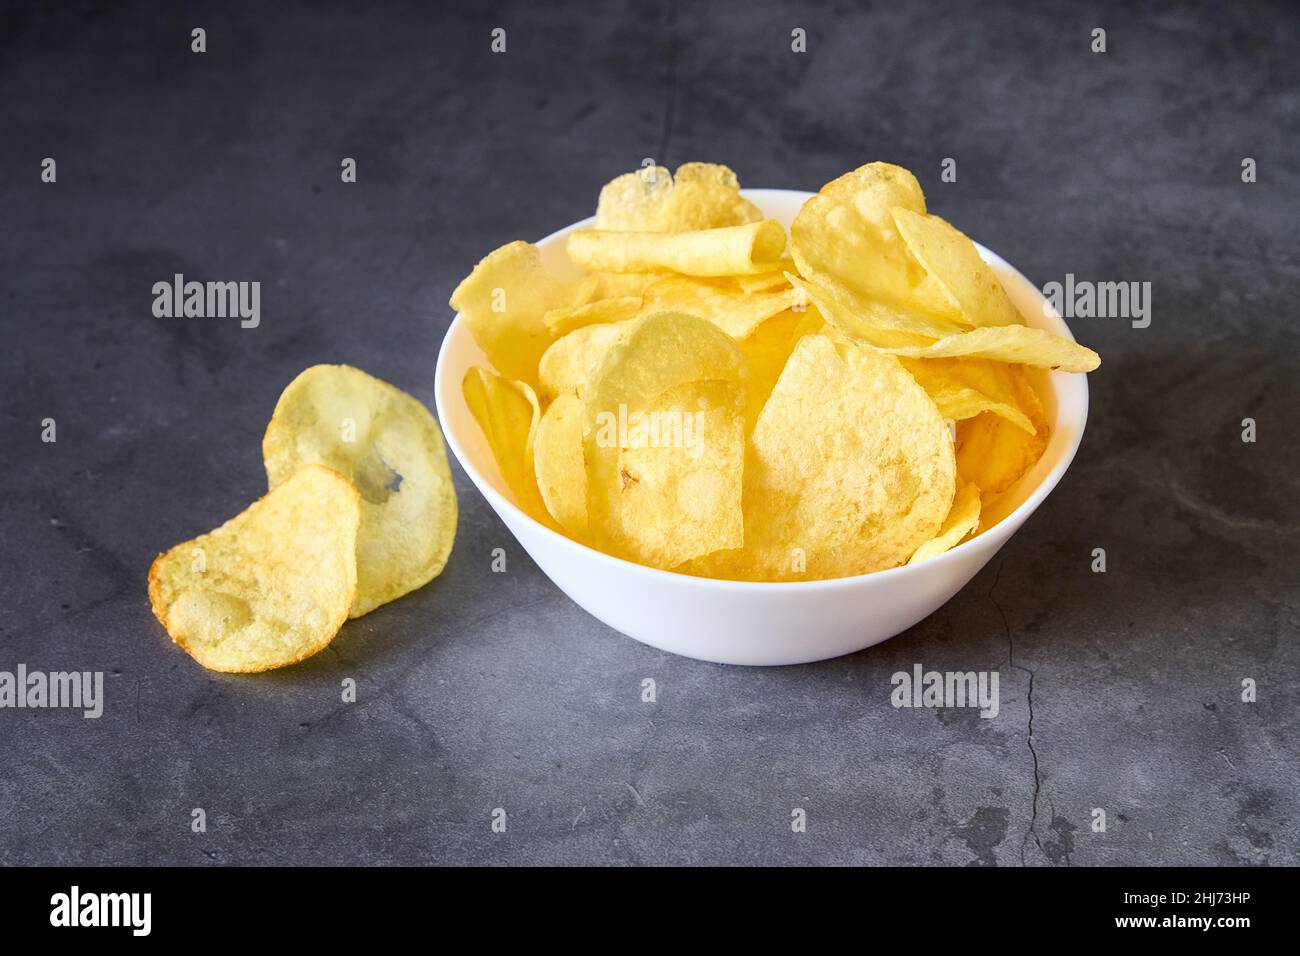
point(952, 259)
point(964, 387)
point(847, 233)
point(504, 302)
point(992, 452)
point(874, 322)
point(571, 362)
point(665, 443)
point(851, 467)
point(736, 312)
point(601, 312)
point(766, 352)
point(559, 464)
point(1019, 344)
point(271, 586)
point(963, 518)
point(701, 196)
point(731, 250)
point(386, 443)
point(508, 413)
point(774, 278)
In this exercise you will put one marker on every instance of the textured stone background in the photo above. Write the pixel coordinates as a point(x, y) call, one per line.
point(1119, 690)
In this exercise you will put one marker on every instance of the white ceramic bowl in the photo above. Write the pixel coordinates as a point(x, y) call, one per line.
point(734, 622)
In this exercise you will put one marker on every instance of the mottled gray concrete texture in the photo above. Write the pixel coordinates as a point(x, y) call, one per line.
point(1120, 691)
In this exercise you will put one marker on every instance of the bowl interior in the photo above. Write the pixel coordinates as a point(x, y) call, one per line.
point(1065, 396)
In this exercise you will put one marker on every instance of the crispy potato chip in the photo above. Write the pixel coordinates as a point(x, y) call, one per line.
point(954, 262)
point(963, 518)
point(508, 413)
point(504, 302)
point(570, 363)
point(731, 250)
point(601, 312)
point(774, 278)
point(964, 387)
point(271, 586)
point(766, 352)
point(851, 468)
point(559, 463)
point(735, 312)
point(1008, 343)
point(387, 444)
point(664, 443)
point(847, 233)
point(993, 453)
point(701, 196)
point(868, 320)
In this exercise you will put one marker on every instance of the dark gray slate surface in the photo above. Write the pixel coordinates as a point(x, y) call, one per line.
point(1119, 690)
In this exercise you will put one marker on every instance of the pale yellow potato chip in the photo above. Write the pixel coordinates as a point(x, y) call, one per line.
point(993, 453)
point(774, 278)
point(664, 443)
point(735, 312)
point(504, 302)
point(601, 312)
point(847, 233)
point(507, 412)
point(954, 262)
point(1008, 343)
point(851, 467)
point(964, 387)
point(963, 518)
point(700, 196)
point(869, 320)
point(766, 351)
point(387, 444)
point(271, 586)
point(728, 251)
point(559, 463)
point(569, 364)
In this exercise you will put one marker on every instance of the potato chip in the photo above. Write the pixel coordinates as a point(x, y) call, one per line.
point(569, 364)
point(851, 468)
point(271, 586)
point(731, 250)
point(868, 320)
point(766, 351)
point(847, 233)
point(1008, 343)
point(774, 278)
point(993, 453)
point(559, 463)
point(664, 443)
point(952, 259)
point(504, 302)
point(561, 322)
point(963, 518)
point(508, 413)
point(962, 388)
point(387, 444)
point(736, 312)
point(701, 196)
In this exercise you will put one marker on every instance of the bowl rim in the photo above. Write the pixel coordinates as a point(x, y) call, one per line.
point(1011, 520)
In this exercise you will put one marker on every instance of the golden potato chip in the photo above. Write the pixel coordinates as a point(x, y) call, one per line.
point(664, 443)
point(993, 453)
point(731, 250)
point(766, 351)
point(773, 278)
point(954, 262)
point(735, 312)
point(876, 323)
point(504, 302)
point(847, 233)
point(559, 463)
point(963, 518)
point(570, 363)
point(701, 196)
point(1008, 343)
point(851, 467)
point(601, 312)
point(387, 444)
point(964, 387)
point(507, 412)
point(272, 585)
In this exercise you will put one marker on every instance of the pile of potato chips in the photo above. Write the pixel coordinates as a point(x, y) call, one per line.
point(713, 400)
point(361, 510)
